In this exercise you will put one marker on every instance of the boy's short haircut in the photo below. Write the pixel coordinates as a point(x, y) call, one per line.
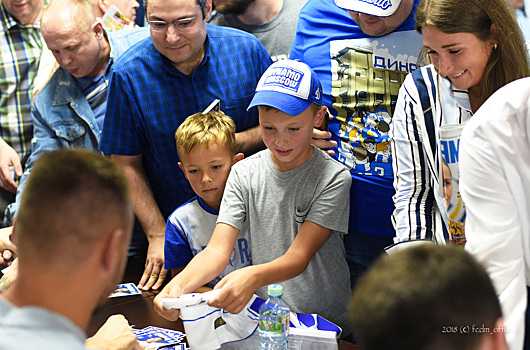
point(289, 86)
point(425, 297)
point(204, 130)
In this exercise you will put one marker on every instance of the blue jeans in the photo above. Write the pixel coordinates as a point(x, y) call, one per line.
point(361, 251)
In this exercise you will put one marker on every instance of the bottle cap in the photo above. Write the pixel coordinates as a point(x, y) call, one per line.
point(275, 290)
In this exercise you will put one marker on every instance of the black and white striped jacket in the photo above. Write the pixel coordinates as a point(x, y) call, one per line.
point(426, 101)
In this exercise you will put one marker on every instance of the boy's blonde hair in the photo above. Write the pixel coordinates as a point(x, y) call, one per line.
point(204, 130)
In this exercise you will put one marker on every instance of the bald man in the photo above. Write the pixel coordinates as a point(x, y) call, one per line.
point(69, 111)
point(72, 251)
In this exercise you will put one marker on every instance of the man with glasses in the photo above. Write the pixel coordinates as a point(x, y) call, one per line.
point(184, 66)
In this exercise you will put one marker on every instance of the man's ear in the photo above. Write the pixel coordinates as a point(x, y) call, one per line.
point(319, 117)
point(208, 6)
point(237, 158)
point(101, 6)
point(97, 28)
point(499, 335)
point(494, 339)
point(113, 250)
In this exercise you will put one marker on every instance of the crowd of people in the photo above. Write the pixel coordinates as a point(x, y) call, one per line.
point(329, 145)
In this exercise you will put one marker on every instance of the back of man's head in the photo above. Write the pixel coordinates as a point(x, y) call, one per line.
point(427, 297)
point(72, 201)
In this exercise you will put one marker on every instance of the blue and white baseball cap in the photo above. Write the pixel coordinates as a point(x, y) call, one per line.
point(379, 8)
point(288, 85)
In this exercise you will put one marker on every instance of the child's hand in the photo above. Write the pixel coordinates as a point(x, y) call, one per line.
point(237, 289)
point(171, 290)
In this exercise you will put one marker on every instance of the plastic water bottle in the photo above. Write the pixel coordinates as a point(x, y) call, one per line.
point(274, 321)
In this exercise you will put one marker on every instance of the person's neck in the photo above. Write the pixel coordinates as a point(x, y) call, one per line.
point(261, 12)
point(474, 100)
point(103, 59)
point(191, 65)
point(65, 296)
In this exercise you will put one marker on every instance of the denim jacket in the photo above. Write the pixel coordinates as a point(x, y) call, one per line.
point(62, 117)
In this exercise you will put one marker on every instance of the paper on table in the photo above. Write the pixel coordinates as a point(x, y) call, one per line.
point(124, 290)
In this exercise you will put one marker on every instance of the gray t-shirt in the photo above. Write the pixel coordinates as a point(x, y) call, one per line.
point(276, 35)
point(32, 327)
point(276, 204)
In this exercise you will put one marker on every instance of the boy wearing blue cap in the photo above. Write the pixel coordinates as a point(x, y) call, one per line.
point(286, 193)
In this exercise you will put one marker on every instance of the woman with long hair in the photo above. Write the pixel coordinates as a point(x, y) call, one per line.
point(473, 48)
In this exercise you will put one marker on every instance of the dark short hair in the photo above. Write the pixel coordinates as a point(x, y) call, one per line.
point(201, 3)
point(426, 297)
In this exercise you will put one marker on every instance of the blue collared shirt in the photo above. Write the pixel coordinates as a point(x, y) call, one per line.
point(149, 98)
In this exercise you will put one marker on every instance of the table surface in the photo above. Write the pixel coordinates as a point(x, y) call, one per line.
point(139, 311)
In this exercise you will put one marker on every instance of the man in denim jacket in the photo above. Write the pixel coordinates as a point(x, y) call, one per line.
point(68, 112)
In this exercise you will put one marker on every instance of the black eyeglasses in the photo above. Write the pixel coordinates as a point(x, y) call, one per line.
point(179, 24)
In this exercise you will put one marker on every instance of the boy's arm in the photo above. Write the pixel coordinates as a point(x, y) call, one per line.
point(238, 286)
point(201, 289)
point(175, 272)
point(204, 267)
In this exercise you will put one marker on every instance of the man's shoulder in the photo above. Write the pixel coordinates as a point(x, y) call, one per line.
point(132, 35)
point(323, 9)
point(135, 40)
point(139, 53)
point(223, 20)
point(237, 45)
point(36, 327)
point(221, 33)
point(62, 79)
point(5, 307)
point(314, 19)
